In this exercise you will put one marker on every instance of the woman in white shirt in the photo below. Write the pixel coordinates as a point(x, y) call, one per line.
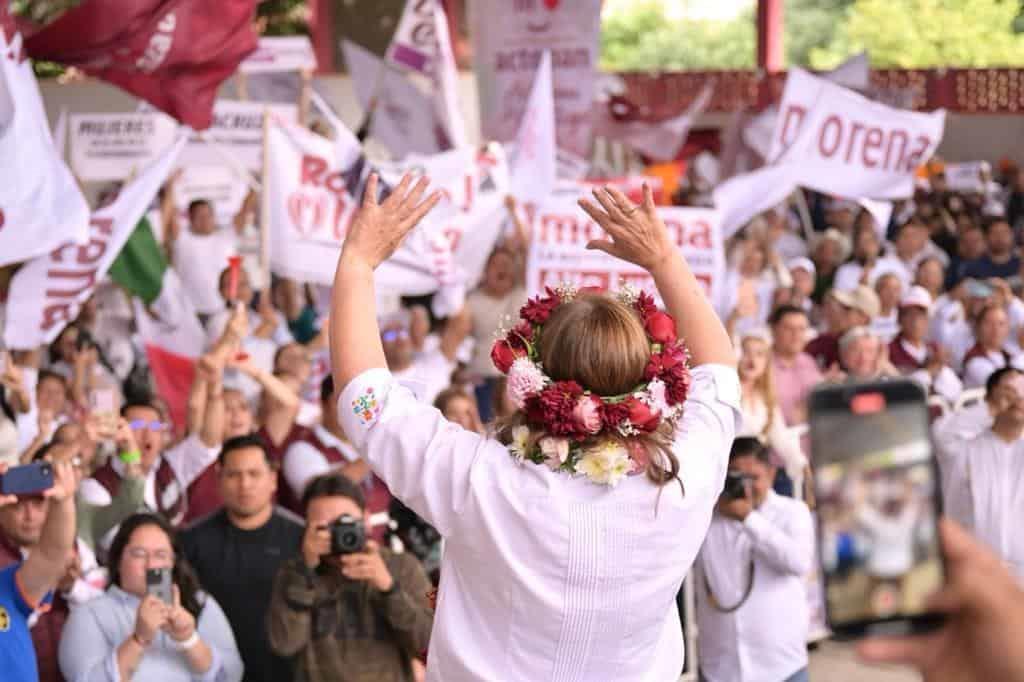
point(548, 575)
point(762, 416)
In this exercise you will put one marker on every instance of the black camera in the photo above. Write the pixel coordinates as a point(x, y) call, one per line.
point(348, 535)
point(736, 485)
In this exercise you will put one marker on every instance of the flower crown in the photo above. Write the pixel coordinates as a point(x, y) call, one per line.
point(569, 415)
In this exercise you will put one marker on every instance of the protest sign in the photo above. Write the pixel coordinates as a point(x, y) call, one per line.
point(41, 206)
point(220, 185)
point(107, 147)
point(508, 39)
point(964, 177)
point(47, 293)
point(276, 54)
point(237, 131)
point(561, 231)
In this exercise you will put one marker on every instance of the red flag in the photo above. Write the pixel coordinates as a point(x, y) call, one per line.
point(172, 53)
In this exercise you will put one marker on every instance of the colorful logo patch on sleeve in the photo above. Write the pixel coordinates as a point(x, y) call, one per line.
point(367, 407)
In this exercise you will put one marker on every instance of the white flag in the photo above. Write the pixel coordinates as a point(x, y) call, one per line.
point(41, 206)
point(534, 167)
point(48, 292)
point(421, 45)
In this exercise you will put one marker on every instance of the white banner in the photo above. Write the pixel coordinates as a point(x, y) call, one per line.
point(292, 53)
point(220, 185)
point(404, 119)
point(534, 166)
point(108, 147)
point(421, 46)
point(313, 181)
point(965, 177)
point(237, 132)
point(48, 292)
point(508, 38)
point(41, 206)
point(561, 231)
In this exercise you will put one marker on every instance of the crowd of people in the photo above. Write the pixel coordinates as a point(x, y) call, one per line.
point(246, 500)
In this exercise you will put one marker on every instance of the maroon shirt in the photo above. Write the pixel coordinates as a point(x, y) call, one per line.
point(824, 348)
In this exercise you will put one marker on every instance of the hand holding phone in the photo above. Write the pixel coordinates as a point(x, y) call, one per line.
point(158, 584)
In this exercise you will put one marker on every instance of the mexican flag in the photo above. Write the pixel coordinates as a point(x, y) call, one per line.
point(166, 319)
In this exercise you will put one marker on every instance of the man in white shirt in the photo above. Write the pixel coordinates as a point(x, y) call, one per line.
point(983, 476)
point(200, 253)
point(751, 600)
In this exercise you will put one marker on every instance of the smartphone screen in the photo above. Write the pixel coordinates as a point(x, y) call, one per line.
point(878, 505)
point(158, 584)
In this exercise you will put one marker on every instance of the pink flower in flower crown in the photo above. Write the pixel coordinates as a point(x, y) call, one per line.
point(524, 379)
point(522, 331)
point(645, 304)
point(587, 414)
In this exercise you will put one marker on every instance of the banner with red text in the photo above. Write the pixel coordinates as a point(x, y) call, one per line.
point(172, 53)
point(561, 231)
point(48, 292)
point(235, 136)
point(41, 206)
point(313, 183)
point(508, 39)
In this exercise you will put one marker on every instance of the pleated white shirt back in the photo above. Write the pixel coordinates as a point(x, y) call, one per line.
point(548, 577)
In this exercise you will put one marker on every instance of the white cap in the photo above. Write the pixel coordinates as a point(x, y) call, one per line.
point(917, 297)
point(802, 264)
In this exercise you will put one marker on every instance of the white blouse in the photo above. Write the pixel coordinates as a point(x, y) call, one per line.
point(546, 576)
point(783, 440)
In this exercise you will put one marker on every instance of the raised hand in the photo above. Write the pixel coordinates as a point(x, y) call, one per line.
point(64, 481)
point(378, 228)
point(637, 234)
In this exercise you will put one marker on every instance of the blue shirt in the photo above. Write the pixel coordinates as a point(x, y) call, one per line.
point(17, 655)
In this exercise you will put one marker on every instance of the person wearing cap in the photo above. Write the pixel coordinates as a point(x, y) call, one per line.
point(803, 273)
point(858, 308)
point(913, 355)
point(861, 356)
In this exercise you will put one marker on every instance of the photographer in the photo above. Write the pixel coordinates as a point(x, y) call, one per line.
point(347, 608)
point(751, 599)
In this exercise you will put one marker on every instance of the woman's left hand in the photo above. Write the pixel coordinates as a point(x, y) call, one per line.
point(378, 228)
point(180, 623)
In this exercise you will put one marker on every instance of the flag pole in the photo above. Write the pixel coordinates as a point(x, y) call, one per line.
point(265, 204)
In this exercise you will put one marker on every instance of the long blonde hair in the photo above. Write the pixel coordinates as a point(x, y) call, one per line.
point(600, 343)
point(764, 386)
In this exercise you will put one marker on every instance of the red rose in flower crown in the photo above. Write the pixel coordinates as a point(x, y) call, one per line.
point(570, 416)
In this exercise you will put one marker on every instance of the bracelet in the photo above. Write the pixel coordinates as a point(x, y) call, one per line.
point(130, 457)
point(188, 643)
point(141, 642)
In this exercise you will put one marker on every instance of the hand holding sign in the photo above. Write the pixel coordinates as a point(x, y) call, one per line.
point(637, 233)
point(379, 228)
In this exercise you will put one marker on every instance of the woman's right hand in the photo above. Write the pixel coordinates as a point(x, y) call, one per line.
point(316, 542)
point(637, 233)
point(150, 618)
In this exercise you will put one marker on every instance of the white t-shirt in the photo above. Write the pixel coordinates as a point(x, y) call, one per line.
point(199, 260)
point(429, 374)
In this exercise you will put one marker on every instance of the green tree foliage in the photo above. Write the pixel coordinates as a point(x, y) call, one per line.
point(928, 33)
point(810, 25)
point(642, 38)
point(284, 17)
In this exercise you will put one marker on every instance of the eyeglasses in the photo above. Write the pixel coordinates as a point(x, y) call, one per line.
point(142, 554)
point(156, 427)
point(394, 335)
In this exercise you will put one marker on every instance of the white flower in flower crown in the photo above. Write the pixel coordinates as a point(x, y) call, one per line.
point(628, 294)
point(606, 463)
point(524, 379)
point(655, 396)
point(555, 451)
point(520, 443)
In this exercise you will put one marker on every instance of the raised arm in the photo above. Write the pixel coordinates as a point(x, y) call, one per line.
point(48, 560)
point(639, 236)
point(375, 233)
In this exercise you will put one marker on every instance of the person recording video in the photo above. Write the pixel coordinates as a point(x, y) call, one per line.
point(751, 600)
point(347, 608)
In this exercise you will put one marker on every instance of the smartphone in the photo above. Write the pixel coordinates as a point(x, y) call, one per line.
point(103, 405)
point(878, 502)
point(158, 584)
point(30, 479)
